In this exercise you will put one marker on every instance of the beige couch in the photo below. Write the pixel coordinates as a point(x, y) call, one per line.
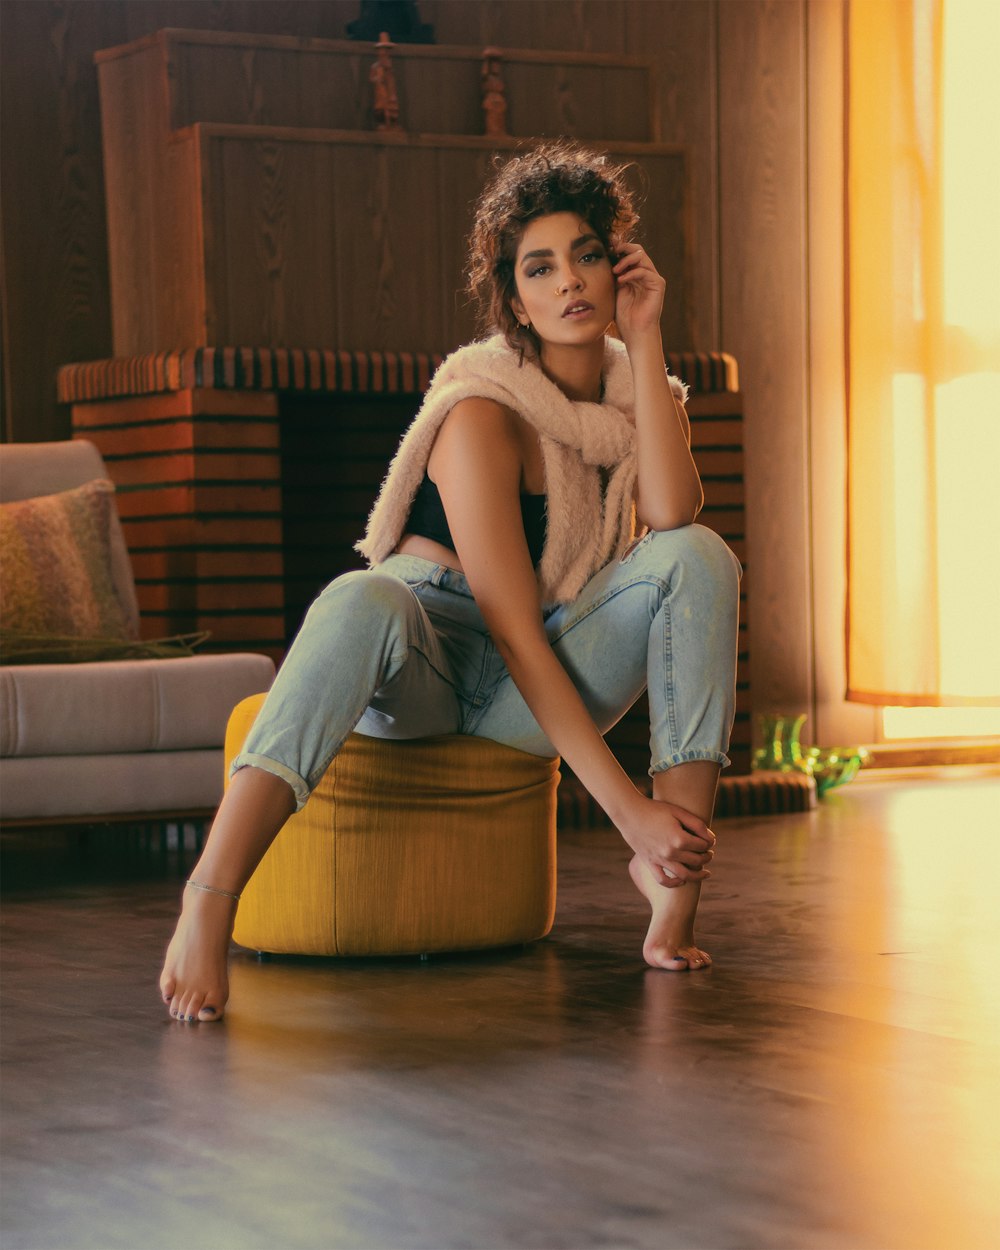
point(111, 738)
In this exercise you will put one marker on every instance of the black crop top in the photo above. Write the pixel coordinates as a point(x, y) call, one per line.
point(427, 519)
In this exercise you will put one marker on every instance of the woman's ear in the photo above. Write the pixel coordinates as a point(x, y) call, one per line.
point(518, 309)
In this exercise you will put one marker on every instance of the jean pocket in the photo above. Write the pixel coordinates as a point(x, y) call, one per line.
point(412, 570)
point(634, 546)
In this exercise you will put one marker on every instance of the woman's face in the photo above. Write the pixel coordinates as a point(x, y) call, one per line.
point(565, 287)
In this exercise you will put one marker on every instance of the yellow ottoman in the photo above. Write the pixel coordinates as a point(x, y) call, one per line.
point(407, 847)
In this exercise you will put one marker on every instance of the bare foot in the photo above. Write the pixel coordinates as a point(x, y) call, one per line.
point(669, 943)
point(195, 978)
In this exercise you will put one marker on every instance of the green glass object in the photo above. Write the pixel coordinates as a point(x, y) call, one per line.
point(782, 751)
point(834, 766)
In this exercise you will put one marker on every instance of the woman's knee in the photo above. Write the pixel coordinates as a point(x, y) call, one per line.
point(696, 551)
point(365, 602)
point(714, 555)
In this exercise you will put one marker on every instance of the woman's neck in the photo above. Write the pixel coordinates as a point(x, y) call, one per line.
point(575, 370)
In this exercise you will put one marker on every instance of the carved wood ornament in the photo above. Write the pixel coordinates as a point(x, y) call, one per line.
point(494, 93)
point(382, 76)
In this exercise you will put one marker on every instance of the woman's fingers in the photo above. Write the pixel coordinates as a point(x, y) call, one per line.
point(635, 263)
point(636, 274)
point(677, 846)
point(696, 830)
point(667, 877)
point(693, 859)
point(680, 873)
point(630, 252)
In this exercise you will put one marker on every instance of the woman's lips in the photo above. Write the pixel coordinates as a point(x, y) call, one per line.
point(579, 308)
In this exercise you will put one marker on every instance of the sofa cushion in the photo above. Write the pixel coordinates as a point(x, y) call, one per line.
point(75, 786)
point(56, 554)
point(124, 706)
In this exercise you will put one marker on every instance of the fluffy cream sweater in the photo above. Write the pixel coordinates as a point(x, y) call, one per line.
point(586, 527)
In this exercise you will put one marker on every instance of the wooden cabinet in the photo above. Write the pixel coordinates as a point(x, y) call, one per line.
point(251, 203)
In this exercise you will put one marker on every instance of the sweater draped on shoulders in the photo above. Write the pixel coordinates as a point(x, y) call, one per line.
point(586, 526)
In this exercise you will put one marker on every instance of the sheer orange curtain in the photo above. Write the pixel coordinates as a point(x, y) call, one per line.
point(923, 333)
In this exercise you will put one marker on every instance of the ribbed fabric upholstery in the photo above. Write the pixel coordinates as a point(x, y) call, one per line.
point(408, 847)
point(125, 707)
point(150, 785)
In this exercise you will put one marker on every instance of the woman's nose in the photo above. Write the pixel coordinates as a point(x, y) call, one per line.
point(569, 282)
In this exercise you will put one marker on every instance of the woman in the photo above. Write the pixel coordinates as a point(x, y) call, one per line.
point(534, 566)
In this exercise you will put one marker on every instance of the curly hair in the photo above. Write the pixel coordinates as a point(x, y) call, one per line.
point(552, 178)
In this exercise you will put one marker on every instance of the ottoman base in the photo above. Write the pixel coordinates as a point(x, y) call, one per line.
point(433, 844)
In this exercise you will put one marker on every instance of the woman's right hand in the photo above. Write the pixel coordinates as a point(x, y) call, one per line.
point(677, 845)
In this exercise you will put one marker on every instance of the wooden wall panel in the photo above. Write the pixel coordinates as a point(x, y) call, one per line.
point(681, 37)
point(134, 135)
point(439, 88)
point(763, 266)
point(322, 238)
point(220, 84)
point(54, 247)
point(578, 101)
point(580, 25)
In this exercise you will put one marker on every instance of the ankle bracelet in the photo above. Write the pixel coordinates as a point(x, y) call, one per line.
point(210, 889)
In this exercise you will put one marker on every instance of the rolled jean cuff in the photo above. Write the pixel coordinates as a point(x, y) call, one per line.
point(249, 760)
point(686, 757)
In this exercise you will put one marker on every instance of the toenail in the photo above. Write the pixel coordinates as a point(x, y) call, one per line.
point(191, 1019)
point(209, 1011)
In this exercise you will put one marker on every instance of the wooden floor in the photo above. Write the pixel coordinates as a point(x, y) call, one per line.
point(832, 1082)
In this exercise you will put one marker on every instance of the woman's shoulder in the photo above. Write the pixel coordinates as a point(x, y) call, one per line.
point(484, 432)
point(484, 416)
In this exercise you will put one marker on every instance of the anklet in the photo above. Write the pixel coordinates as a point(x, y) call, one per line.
point(210, 889)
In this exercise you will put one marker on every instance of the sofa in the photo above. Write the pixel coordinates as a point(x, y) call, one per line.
point(96, 723)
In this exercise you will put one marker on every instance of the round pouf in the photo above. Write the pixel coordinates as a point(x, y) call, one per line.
point(409, 847)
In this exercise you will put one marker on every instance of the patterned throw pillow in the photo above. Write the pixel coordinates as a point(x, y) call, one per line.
point(55, 566)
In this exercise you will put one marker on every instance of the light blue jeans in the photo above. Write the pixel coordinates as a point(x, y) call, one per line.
point(402, 651)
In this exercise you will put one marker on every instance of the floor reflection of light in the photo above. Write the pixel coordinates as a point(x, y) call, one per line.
point(912, 1073)
point(939, 902)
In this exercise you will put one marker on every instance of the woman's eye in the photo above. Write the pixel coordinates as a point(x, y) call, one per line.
point(536, 270)
point(590, 257)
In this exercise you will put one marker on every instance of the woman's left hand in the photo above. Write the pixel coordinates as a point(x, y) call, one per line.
point(640, 291)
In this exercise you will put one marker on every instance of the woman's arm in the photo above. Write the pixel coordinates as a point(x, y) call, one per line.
point(668, 493)
point(477, 463)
